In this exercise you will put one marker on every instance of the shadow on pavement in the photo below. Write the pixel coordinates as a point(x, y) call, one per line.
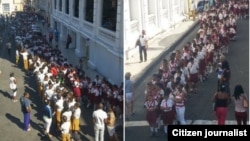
point(14, 120)
point(5, 94)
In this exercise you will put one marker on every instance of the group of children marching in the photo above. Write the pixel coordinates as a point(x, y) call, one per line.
point(178, 76)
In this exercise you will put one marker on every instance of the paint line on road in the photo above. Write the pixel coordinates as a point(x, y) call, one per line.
point(189, 122)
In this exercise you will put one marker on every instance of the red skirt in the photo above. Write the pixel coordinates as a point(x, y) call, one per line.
point(194, 78)
point(151, 117)
point(202, 66)
point(168, 117)
point(77, 91)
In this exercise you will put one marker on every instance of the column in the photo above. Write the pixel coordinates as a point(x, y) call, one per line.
point(79, 45)
point(119, 27)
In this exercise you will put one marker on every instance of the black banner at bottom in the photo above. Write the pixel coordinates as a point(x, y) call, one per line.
point(208, 132)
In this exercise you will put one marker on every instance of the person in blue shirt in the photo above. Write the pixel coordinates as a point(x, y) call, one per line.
point(26, 109)
point(47, 117)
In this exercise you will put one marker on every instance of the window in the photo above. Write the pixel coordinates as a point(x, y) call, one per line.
point(60, 5)
point(67, 7)
point(6, 7)
point(89, 13)
point(76, 8)
point(55, 4)
point(109, 11)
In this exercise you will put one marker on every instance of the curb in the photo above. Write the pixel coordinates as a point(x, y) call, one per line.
point(142, 75)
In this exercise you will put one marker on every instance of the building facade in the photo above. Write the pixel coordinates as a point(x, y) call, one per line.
point(154, 16)
point(96, 28)
point(9, 6)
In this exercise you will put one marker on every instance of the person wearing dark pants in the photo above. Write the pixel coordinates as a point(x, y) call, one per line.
point(142, 42)
point(69, 40)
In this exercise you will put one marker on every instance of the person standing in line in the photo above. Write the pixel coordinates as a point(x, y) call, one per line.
point(111, 124)
point(26, 109)
point(13, 86)
point(25, 55)
point(168, 110)
point(65, 129)
point(240, 112)
point(221, 100)
point(99, 120)
point(47, 117)
point(17, 56)
point(75, 121)
point(129, 92)
point(58, 110)
point(180, 108)
point(8, 45)
point(151, 106)
point(142, 42)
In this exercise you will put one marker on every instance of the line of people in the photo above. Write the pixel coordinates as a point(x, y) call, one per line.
point(178, 76)
point(63, 88)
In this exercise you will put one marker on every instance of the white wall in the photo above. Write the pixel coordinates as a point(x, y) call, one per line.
point(106, 46)
point(155, 16)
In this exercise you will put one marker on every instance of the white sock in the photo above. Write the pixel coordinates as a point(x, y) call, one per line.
point(152, 129)
point(156, 130)
point(166, 129)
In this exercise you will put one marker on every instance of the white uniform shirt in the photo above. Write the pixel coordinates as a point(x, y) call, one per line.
point(65, 127)
point(77, 113)
point(25, 55)
point(59, 104)
point(99, 116)
point(143, 40)
point(12, 83)
point(167, 103)
point(193, 67)
point(68, 114)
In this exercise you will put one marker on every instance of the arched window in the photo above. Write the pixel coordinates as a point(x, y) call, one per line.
point(109, 13)
point(89, 13)
point(76, 8)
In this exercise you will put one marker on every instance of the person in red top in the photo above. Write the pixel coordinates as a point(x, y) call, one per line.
point(77, 88)
point(53, 70)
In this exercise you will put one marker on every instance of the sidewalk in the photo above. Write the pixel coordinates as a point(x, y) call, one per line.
point(158, 47)
point(70, 53)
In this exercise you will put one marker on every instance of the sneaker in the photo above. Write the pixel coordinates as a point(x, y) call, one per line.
point(28, 129)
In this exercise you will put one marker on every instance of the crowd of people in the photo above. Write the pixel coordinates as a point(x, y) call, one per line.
point(63, 88)
point(178, 76)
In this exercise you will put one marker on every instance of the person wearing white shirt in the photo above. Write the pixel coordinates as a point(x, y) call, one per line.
point(193, 75)
point(25, 55)
point(17, 56)
point(143, 39)
point(59, 108)
point(75, 121)
point(67, 113)
point(99, 119)
point(168, 110)
point(65, 129)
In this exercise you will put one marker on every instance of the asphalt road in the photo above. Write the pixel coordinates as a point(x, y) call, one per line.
point(198, 106)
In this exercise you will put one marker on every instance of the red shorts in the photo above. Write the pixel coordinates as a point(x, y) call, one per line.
point(194, 78)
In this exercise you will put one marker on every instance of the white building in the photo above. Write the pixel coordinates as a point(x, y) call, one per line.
point(96, 28)
point(155, 16)
point(9, 6)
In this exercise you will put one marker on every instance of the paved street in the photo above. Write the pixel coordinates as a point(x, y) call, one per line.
point(198, 106)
